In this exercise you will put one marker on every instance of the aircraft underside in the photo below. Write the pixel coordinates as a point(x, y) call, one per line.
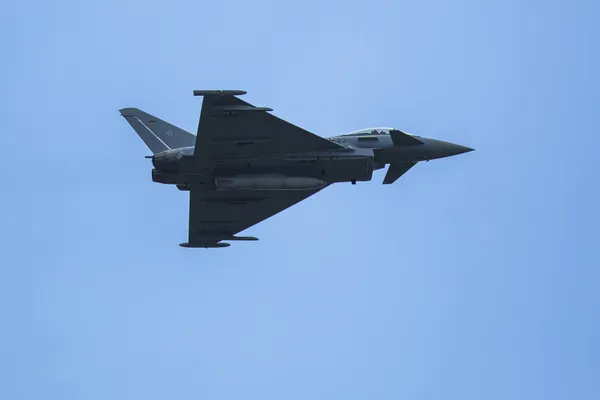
point(327, 168)
point(246, 165)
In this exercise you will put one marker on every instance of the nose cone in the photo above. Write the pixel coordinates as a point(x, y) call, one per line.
point(441, 149)
point(458, 149)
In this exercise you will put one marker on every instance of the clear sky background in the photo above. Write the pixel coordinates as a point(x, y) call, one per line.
point(474, 277)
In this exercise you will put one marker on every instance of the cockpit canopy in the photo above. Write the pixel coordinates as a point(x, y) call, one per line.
point(370, 131)
point(376, 131)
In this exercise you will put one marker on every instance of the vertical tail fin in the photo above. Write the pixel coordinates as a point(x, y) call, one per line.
point(158, 135)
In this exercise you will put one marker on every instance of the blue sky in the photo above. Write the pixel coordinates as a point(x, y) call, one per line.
point(472, 277)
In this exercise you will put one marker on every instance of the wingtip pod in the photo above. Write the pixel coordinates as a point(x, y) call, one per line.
point(239, 238)
point(205, 245)
point(219, 92)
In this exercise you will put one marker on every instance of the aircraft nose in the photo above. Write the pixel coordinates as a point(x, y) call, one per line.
point(443, 149)
point(458, 149)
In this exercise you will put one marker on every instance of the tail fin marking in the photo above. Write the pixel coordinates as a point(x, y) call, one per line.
point(158, 135)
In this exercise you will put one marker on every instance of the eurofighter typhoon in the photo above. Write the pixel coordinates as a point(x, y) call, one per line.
point(245, 165)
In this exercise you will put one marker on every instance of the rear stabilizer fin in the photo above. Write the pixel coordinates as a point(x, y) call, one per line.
point(158, 135)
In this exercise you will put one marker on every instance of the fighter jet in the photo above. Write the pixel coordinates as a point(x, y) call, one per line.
point(245, 165)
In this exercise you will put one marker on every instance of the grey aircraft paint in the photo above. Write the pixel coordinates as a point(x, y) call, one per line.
point(246, 165)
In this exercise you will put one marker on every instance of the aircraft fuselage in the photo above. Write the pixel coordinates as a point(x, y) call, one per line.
point(360, 156)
